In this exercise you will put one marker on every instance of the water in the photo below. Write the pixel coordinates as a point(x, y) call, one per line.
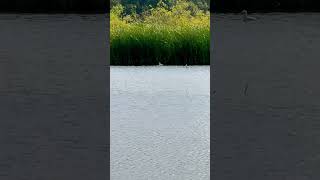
point(160, 123)
point(274, 131)
point(53, 97)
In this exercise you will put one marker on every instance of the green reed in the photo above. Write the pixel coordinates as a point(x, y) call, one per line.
point(161, 38)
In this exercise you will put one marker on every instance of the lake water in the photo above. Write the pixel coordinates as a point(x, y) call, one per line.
point(160, 123)
point(273, 132)
point(53, 82)
point(51, 99)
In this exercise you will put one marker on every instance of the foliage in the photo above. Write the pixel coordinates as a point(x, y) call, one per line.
point(140, 6)
point(171, 35)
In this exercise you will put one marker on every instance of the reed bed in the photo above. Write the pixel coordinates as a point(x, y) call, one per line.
point(171, 36)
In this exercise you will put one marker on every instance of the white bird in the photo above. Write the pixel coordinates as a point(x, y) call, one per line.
point(245, 16)
point(160, 64)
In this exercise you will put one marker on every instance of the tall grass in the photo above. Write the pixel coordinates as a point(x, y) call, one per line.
point(172, 36)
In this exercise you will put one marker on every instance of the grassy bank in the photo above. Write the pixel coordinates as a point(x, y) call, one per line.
point(172, 36)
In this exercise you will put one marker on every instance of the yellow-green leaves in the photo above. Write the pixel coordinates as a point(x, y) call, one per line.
point(180, 35)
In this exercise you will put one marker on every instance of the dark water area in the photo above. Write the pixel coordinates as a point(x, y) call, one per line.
point(265, 6)
point(265, 113)
point(54, 6)
point(53, 81)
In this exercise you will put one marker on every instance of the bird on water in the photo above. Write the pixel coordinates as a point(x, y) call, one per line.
point(245, 90)
point(247, 18)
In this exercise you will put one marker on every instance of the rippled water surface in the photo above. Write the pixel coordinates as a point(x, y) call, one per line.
point(273, 130)
point(160, 123)
point(53, 97)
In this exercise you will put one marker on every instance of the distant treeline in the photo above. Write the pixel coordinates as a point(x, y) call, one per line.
point(102, 6)
point(54, 6)
point(265, 5)
point(224, 6)
point(139, 6)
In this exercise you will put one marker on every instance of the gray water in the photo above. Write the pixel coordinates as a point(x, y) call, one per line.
point(53, 103)
point(274, 131)
point(160, 123)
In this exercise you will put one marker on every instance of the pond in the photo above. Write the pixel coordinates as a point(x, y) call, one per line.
point(160, 122)
point(53, 97)
point(266, 107)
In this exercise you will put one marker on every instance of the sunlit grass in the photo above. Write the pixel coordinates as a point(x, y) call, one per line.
point(171, 36)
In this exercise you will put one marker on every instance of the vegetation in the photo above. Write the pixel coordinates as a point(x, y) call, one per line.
point(175, 35)
point(140, 6)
